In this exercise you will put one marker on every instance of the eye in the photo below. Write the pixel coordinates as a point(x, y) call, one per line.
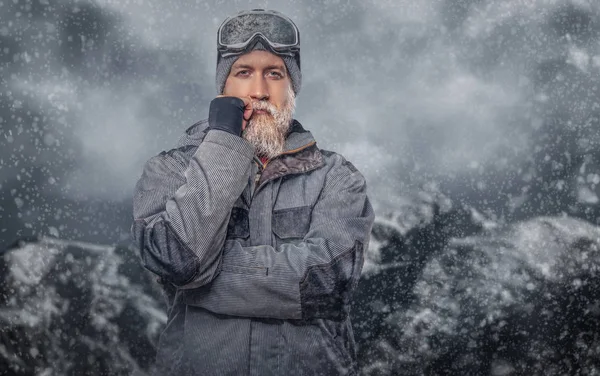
point(243, 72)
point(275, 74)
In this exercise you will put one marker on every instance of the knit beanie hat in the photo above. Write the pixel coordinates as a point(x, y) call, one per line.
point(224, 67)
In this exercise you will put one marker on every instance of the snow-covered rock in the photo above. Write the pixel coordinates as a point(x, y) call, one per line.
point(521, 299)
point(402, 242)
point(72, 308)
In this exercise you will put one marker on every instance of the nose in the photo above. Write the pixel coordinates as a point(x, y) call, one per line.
point(259, 90)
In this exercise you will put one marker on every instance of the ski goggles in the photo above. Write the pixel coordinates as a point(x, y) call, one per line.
point(239, 33)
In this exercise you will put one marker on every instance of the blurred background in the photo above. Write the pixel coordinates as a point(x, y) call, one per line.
point(485, 108)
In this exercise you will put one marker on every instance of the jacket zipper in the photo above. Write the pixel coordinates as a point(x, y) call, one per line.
point(258, 174)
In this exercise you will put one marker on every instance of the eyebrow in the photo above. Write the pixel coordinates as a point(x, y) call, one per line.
point(268, 67)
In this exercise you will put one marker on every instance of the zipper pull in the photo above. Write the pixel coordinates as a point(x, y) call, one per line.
point(259, 163)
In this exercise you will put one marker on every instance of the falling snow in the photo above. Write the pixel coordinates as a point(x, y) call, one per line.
point(476, 124)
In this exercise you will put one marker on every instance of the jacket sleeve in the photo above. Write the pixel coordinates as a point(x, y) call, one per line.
point(181, 209)
point(312, 279)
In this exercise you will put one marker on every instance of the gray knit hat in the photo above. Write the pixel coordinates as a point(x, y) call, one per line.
point(224, 66)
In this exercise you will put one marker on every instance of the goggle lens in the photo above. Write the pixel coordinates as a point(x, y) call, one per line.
point(241, 29)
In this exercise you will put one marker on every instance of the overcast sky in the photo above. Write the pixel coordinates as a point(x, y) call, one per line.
point(409, 91)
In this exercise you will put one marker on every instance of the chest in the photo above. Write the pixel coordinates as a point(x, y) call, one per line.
point(275, 210)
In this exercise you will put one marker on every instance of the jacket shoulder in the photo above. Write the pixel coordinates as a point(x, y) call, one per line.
point(338, 161)
point(194, 134)
point(341, 172)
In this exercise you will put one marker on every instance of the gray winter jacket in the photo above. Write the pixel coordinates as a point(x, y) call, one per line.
point(259, 265)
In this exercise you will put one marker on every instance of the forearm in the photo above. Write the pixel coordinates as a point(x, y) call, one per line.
point(285, 283)
point(312, 279)
point(182, 240)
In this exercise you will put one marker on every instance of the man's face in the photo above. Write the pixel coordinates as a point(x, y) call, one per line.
point(259, 75)
point(262, 76)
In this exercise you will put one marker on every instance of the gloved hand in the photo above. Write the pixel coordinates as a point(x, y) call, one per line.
point(228, 114)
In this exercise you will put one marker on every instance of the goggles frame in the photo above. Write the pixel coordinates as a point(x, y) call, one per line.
point(236, 49)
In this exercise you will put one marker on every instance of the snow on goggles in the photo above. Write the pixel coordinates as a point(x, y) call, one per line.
point(240, 32)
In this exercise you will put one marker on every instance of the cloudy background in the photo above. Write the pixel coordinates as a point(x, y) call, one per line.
point(495, 103)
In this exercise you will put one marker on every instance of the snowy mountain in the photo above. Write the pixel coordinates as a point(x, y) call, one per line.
point(72, 308)
point(445, 291)
point(454, 294)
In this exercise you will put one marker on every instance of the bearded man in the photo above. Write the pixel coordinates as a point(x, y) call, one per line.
point(256, 234)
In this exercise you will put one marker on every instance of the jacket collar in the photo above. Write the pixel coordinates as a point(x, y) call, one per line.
point(300, 155)
point(297, 138)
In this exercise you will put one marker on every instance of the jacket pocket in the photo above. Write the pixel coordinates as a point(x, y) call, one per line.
point(239, 224)
point(291, 222)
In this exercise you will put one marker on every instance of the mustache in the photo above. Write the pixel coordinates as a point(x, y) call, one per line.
point(265, 106)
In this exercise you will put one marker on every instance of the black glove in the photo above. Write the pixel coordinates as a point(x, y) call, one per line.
point(226, 114)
